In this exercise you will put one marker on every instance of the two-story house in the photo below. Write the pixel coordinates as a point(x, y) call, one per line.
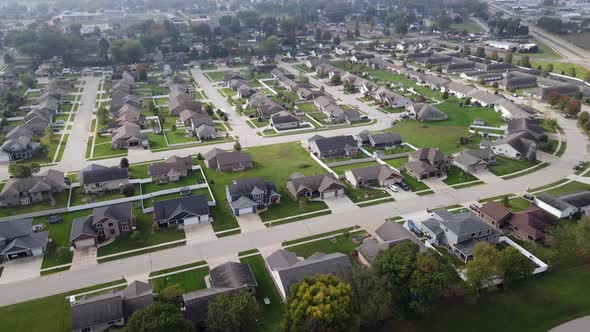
point(171, 170)
point(225, 161)
point(17, 240)
point(32, 189)
point(250, 195)
point(97, 178)
point(426, 163)
point(105, 223)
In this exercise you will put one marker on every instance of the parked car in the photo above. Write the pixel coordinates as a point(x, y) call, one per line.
point(529, 197)
point(581, 163)
point(38, 228)
point(59, 122)
point(392, 188)
point(577, 167)
point(185, 191)
point(404, 186)
point(54, 219)
point(474, 207)
point(103, 131)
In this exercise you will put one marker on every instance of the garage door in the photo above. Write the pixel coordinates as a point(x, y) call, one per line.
point(191, 221)
point(329, 194)
point(84, 243)
point(244, 211)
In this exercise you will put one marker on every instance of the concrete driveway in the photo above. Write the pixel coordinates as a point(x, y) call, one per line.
point(21, 269)
point(84, 258)
point(436, 184)
point(340, 204)
point(250, 222)
point(487, 176)
point(198, 233)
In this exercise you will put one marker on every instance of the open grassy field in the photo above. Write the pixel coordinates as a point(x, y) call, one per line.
point(269, 162)
point(508, 165)
point(468, 25)
point(188, 281)
point(456, 175)
point(565, 67)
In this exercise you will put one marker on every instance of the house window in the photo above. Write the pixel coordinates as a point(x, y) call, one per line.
point(98, 225)
point(100, 232)
point(124, 221)
point(125, 228)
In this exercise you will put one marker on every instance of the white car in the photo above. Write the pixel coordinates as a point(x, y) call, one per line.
point(392, 188)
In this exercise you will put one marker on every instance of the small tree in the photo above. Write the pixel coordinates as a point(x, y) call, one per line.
point(233, 312)
point(159, 317)
point(103, 116)
point(128, 190)
point(336, 79)
point(199, 156)
point(124, 163)
point(173, 128)
point(209, 109)
point(495, 85)
point(445, 95)
point(505, 201)
point(237, 146)
point(136, 236)
point(583, 117)
point(171, 294)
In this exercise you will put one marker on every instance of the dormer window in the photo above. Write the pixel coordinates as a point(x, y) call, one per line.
point(98, 225)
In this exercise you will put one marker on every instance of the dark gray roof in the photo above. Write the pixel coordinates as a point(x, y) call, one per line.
point(527, 125)
point(464, 223)
point(385, 138)
point(29, 241)
point(82, 226)
point(578, 199)
point(336, 264)
point(245, 186)
point(15, 228)
point(232, 275)
point(284, 117)
point(336, 142)
point(104, 174)
point(194, 205)
point(371, 173)
point(120, 211)
point(196, 303)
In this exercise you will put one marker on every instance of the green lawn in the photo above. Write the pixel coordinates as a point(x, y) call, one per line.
point(149, 236)
point(193, 177)
point(506, 165)
point(397, 162)
point(80, 198)
point(415, 185)
point(456, 175)
point(216, 76)
point(518, 204)
point(569, 188)
point(269, 162)
point(180, 136)
point(468, 25)
point(50, 313)
point(272, 314)
point(60, 236)
point(364, 194)
point(342, 169)
point(343, 244)
point(61, 200)
point(150, 201)
point(157, 141)
point(558, 67)
point(228, 92)
point(188, 281)
point(538, 304)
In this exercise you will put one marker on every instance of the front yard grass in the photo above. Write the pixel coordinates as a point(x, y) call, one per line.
point(216, 76)
point(569, 188)
point(415, 185)
point(507, 165)
point(272, 314)
point(345, 243)
point(269, 162)
point(149, 236)
point(456, 175)
point(188, 281)
point(397, 162)
point(364, 194)
point(518, 204)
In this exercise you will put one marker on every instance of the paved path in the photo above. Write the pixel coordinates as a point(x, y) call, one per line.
point(577, 325)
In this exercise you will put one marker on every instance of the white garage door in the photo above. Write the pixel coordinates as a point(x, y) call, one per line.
point(329, 194)
point(84, 243)
point(191, 221)
point(244, 211)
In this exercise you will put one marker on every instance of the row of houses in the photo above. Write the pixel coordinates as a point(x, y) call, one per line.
point(125, 108)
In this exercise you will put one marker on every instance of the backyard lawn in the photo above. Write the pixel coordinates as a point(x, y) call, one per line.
point(569, 188)
point(272, 314)
point(149, 236)
point(193, 177)
point(80, 198)
point(397, 162)
point(61, 201)
point(456, 175)
point(269, 162)
point(539, 304)
point(149, 202)
point(216, 76)
point(344, 168)
point(506, 165)
point(188, 281)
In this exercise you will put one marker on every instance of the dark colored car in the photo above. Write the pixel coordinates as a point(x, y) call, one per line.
point(474, 207)
point(529, 197)
point(54, 219)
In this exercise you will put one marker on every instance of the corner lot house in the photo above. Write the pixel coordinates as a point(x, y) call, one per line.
point(227, 278)
point(97, 178)
point(110, 311)
point(17, 240)
point(338, 146)
point(105, 223)
point(564, 206)
point(458, 233)
point(287, 269)
point(372, 176)
point(32, 189)
point(389, 235)
point(171, 170)
point(472, 161)
point(532, 224)
point(315, 186)
point(250, 195)
point(224, 161)
point(189, 210)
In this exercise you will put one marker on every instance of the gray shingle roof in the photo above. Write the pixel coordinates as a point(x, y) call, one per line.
point(336, 142)
point(82, 226)
point(194, 205)
point(105, 174)
point(232, 275)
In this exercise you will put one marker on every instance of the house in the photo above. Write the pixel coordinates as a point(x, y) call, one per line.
point(484, 98)
point(458, 233)
point(224, 161)
point(19, 144)
point(533, 224)
point(245, 91)
point(564, 206)
point(110, 310)
point(129, 135)
point(563, 89)
point(233, 76)
point(337, 146)
point(322, 102)
point(529, 126)
point(32, 189)
point(17, 240)
point(472, 161)
point(511, 110)
point(361, 57)
point(250, 195)
point(372, 176)
point(516, 80)
point(389, 235)
point(427, 113)
point(287, 269)
point(265, 106)
point(426, 163)
point(384, 140)
point(97, 178)
point(187, 210)
point(171, 170)
point(517, 146)
point(459, 90)
point(227, 278)
point(315, 186)
point(198, 124)
point(285, 120)
point(308, 94)
point(105, 223)
point(495, 214)
point(391, 99)
point(180, 101)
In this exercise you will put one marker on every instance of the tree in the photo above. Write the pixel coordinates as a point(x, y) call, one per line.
point(445, 95)
point(506, 201)
point(171, 294)
point(35, 168)
point(28, 80)
point(553, 98)
point(525, 62)
point(102, 114)
point(429, 280)
point(549, 67)
point(573, 107)
point(508, 57)
point(124, 163)
point(320, 303)
point(571, 71)
point(583, 117)
point(159, 317)
point(128, 190)
point(233, 312)
point(19, 170)
point(270, 46)
point(514, 265)
point(562, 102)
point(371, 299)
point(237, 146)
point(335, 79)
point(483, 268)
point(126, 50)
point(136, 236)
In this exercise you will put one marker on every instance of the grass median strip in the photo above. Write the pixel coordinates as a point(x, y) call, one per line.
point(319, 236)
point(178, 268)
